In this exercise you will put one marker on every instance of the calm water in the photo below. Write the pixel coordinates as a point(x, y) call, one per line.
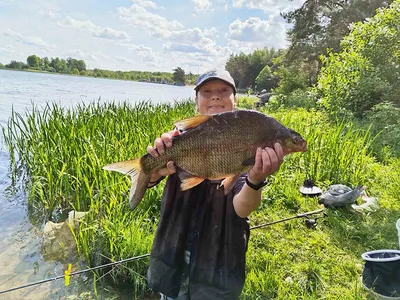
point(19, 245)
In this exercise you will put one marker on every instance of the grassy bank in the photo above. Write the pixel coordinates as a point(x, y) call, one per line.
point(61, 154)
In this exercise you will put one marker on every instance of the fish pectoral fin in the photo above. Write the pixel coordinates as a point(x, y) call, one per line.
point(130, 167)
point(190, 182)
point(249, 162)
point(191, 122)
point(229, 182)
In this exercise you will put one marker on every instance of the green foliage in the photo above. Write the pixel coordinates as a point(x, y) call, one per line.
point(366, 71)
point(16, 65)
point(321, 25)
point(178, 75)
point(304, 98)
point(246, 102)
point(266, 79)
point(245, 68)
point(384, 120)
point(33, 61)
point(70, 65)
point(291, 78)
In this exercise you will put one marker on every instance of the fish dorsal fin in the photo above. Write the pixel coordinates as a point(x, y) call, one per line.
point(191, 122)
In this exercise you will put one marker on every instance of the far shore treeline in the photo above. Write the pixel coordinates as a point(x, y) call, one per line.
point(78, 67)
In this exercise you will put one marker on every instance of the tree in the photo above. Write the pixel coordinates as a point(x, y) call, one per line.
point(321, 25)
point(179, 75)
point(16, 65)
point(366, 71)
point(33, 61)
point(245, 68)
point(44, 63)
point(265, 80)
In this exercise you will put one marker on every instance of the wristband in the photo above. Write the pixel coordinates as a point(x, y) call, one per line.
point(256, 186)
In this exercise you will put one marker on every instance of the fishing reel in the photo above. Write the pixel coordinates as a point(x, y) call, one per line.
point(311, 223)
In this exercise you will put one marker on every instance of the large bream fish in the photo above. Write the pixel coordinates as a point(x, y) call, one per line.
point(219, 146)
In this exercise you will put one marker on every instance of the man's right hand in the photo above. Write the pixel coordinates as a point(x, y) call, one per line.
point(159, 149)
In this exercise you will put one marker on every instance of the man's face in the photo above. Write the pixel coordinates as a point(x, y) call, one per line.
point(215, 96)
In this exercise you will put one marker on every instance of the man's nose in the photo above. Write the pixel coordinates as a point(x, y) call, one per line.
point(215, 95)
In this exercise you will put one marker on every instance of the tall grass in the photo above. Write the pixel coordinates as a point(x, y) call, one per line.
point(60, 154)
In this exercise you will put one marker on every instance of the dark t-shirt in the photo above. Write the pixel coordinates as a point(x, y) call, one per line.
point(202, 220)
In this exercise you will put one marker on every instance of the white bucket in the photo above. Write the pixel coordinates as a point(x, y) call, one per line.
point(398, 230)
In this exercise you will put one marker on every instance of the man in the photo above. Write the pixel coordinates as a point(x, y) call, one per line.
point(201, 241)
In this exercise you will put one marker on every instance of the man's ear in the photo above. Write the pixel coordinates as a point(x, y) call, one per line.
point(234, 101)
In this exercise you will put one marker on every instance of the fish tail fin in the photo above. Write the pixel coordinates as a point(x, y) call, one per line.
point(140, 180)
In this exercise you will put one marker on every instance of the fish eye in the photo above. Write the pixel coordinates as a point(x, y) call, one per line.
point(296, 140)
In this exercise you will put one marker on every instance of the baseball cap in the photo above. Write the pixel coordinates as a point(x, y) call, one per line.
point(215, 74)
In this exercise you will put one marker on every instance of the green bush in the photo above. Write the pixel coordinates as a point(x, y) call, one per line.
point(366, 71)
point(298, 98)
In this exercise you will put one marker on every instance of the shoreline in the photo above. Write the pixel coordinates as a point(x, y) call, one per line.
point(85, 76)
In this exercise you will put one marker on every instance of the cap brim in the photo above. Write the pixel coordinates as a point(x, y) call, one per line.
point(196, 88)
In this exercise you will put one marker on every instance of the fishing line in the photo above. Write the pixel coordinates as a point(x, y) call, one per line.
point(303, 215)
point(75, 273)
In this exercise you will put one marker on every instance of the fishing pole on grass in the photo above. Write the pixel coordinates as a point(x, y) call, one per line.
point(310, 223)
point(69, 273)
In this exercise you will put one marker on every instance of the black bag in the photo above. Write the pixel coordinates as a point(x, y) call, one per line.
point(381, 273)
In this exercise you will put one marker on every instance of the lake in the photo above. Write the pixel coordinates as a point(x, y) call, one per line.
point(20, 258)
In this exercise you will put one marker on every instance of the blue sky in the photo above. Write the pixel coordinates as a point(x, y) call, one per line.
point(141, 34)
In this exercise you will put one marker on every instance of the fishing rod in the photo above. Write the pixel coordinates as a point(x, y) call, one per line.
point(310, 223)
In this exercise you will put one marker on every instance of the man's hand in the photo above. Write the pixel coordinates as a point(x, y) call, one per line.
point(159, 149)
point(267, 162)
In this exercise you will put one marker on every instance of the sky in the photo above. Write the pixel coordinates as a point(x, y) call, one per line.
point(142, 35)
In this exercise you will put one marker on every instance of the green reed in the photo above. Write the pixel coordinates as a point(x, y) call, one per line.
point(59, 154)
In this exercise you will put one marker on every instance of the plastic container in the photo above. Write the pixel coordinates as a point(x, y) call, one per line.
point(381, 274)
point(398, 230)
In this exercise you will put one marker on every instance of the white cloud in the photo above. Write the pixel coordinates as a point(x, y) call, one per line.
point(269, 5)
point(179, 39)
point(29, 40)
point(138, 16)
point(178, 47)
point(268, 33)
point(85, 55)
point(51, 14)
point(124, 59)
point(202, 5)
point(112, 34)
point(97, 31)
point(81, 25)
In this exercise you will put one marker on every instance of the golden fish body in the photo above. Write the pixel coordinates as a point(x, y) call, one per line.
point(212, 147)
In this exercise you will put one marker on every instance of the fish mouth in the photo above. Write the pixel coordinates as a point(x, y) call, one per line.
point(303, 147)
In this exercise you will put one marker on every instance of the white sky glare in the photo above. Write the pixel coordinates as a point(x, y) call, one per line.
point(141, 34)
